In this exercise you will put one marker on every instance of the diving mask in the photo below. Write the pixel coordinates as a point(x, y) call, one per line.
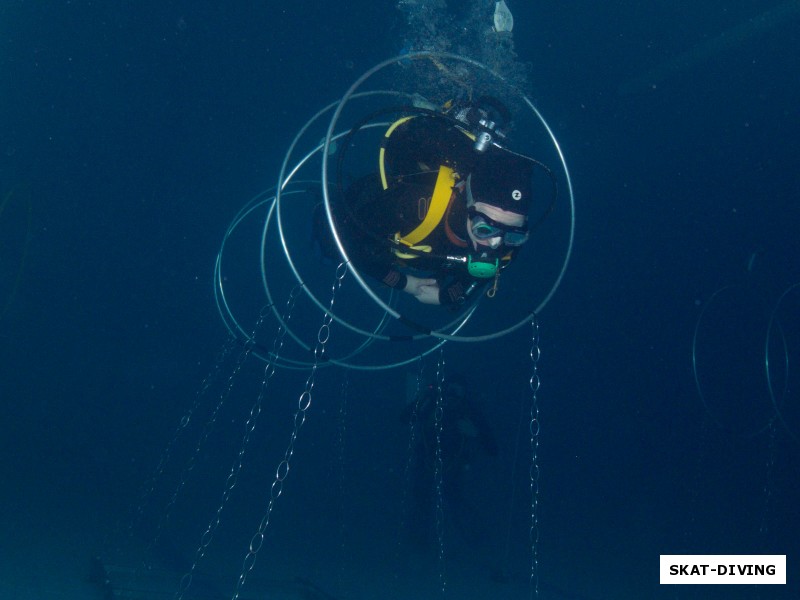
point(484, 228)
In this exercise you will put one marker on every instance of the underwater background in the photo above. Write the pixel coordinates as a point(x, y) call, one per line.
point(132, 132)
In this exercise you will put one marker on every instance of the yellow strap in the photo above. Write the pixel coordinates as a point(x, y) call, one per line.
point(442, 192)
point(382, 154)
point(406, 255)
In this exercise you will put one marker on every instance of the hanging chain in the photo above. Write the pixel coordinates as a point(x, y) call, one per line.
point(208, 380)
point(208, 427)
point(534, 383)
point(512, 496)
point(438, 467)
point(340, 443)
point(250, 425)
point(413, 425)
point(763, 527)
point(303, 404)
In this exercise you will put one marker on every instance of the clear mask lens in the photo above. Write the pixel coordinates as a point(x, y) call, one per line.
point(484, 228)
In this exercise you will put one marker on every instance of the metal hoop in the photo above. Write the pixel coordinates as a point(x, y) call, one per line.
point(275, 205)
point(330, 136)
point(760, 426)
point(773, 322)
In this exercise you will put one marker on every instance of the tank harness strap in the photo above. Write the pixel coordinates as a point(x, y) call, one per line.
point(382, 153)
point(440, 200)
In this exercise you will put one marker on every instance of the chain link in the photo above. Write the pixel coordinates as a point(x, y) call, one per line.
point(438, 468)
point(164, 459)
point(534, 383)
point(763, 527)
point(250, 425)
point(208, 427)
point(413, 425)
point(340, 443)
point(282, 470)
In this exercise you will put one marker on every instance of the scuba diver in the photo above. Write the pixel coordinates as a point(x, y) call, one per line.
point(446, 212)
point(463, 436)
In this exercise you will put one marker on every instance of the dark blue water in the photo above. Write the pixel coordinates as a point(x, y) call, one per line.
point(131, 133)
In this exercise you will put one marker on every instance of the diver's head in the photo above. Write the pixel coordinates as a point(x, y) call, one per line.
point(502, 179)
point(498, 197)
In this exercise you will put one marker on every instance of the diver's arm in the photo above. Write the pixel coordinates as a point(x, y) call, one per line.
point(428, 290)
point(424, 289)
